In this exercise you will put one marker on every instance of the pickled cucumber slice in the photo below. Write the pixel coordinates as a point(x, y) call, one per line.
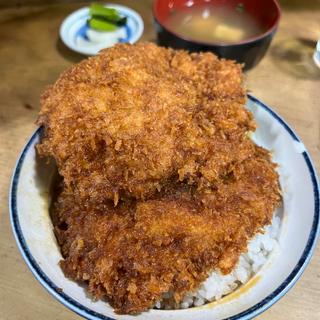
point(101, 25)
point(110, 14)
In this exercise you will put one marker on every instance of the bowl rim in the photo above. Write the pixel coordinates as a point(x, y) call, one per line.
point(250, 40)
point(83, 311)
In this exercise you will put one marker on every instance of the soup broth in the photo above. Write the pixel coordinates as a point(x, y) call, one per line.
point(214, 24)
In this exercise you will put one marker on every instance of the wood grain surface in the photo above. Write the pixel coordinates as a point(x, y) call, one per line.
point(32, 56)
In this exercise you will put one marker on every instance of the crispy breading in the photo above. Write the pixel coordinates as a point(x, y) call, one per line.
point(161, 182)
point(124, 122)
point(136, 252)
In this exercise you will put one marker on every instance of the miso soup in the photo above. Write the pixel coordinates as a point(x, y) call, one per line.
point(208, 23)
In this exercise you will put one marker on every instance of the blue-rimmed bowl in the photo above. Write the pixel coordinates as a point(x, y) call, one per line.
point(30, 198)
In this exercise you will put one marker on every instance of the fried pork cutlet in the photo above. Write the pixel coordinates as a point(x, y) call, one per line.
point(134, 253)
point(122, 123)
point(161, 182)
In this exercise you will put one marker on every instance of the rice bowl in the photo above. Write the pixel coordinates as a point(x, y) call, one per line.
point(275, 278)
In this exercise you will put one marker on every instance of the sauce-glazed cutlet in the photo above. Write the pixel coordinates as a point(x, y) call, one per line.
point(134, 253)
point(122, 123)
point(161, 182)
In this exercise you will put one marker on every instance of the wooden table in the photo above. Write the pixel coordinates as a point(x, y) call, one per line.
point(32, 56)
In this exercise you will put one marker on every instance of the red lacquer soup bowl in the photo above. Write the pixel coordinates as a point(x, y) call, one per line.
point(248, 51)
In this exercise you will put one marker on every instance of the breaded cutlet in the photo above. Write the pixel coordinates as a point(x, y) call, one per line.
point(134, 253)
point(122, 123)
point(161, 183)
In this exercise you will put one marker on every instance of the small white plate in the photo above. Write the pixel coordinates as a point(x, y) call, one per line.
point(74, 29)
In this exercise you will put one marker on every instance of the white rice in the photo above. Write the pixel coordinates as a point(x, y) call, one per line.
point(217, 285)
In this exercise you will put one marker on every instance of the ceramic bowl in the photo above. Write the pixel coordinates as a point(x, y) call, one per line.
point(75, 33)
point(249, 51)
point(30, 198)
